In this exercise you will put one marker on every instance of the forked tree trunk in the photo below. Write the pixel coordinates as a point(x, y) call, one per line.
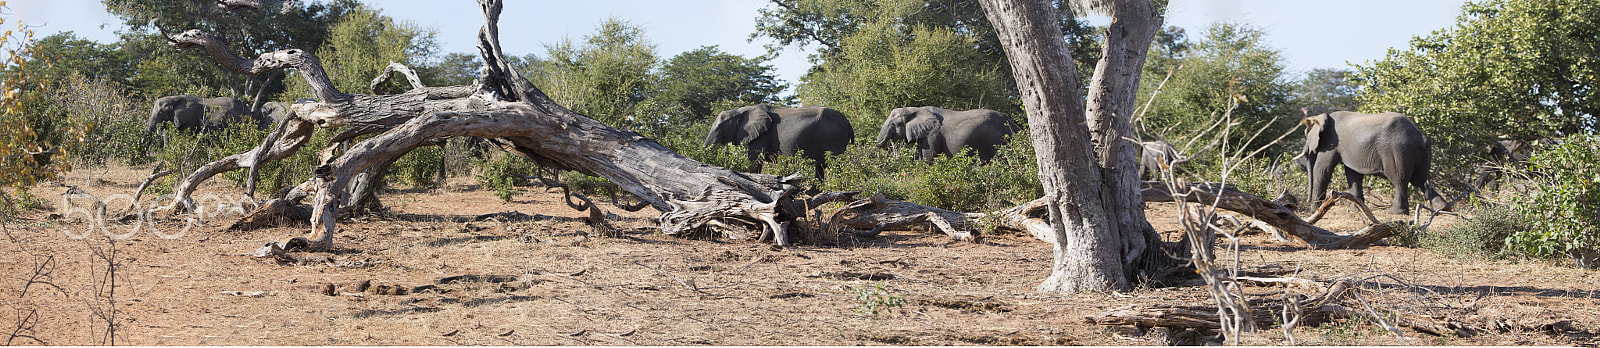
point(1102, 239)
point(692, 196)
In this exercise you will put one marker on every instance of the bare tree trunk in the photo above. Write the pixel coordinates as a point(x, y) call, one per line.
point(1102, 240)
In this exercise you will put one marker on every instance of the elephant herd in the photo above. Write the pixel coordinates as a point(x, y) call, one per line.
point(1386, 144)
point(191, 113)
point(769, 131)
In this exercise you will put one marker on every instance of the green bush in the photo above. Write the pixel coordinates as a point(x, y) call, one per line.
point(1562, 207)
point(1483, 235)
point(504, 174)
point(957, 183)
point(116, 122)
point(418, 168)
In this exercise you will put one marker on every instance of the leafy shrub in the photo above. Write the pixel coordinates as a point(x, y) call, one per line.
point(1562, 207)
point(876, 299)
point(958, 183)
point(504, 174)
point(418, 168)
point(115, 121)
point(1482, 235)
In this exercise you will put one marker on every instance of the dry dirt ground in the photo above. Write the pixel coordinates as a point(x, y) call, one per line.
point(421, 276)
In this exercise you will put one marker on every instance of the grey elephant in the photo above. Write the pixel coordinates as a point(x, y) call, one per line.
point(1503, 154)
point(273, 112)
point(193, 113)
point(1153, 155)
point(938, 131)
point(1387, 144)
point(771, 130)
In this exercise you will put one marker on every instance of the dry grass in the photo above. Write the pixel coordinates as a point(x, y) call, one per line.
point(545, 282)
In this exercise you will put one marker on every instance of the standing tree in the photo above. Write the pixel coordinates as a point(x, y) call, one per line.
point(1227, 62)
point(1085, 152)
point(275, 23)
point(874, 56)
point(1325, 90)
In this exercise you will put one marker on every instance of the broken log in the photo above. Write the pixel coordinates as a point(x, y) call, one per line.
point(874, 215)
point(1228, 197)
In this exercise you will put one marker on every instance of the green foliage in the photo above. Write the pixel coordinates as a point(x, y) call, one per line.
point(956, 183)
point(1562, 209)
point(115, 121)
point(418, 168)
point(504, 174)
point(57, 57)
point(887, 65)
point(1230, 63)
point(452, 69)
point(695, 85)
point(1518, 68)
point(1325, 90)
point(1261, 176)
point(876, 299)
point(587, 184)
point(20, 199)
point(361, 45)
point(160, 70)
point(605, 77)
point(29, 133)
point(828, 24)
point(1480, 236)
point(688, 141)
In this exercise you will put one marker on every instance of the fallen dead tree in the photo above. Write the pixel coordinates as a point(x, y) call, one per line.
point(519, 118)
point(873, 215)
point(1291, 310)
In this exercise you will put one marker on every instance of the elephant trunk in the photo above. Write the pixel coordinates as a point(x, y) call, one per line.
point(714, 137)
point(884, 135)
point(154, 122)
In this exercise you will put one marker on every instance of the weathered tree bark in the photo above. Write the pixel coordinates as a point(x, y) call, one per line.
point(872, 216)
point(1091, 190)
point(692, 196)
point(1269, 212)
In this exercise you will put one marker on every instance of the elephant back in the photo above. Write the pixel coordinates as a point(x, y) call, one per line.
point(224, 111)
point(815, 129)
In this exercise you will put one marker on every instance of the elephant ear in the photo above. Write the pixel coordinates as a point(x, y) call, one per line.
point(1319, 134)
point(920, 124)
point(757, 123)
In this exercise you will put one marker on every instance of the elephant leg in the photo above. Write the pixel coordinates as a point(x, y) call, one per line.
point(1402, 196)
point(1355, 180)
point(755, 158)
point(1435, 200)
point(822, 166)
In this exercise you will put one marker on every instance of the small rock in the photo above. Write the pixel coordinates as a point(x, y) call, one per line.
point(330, 290)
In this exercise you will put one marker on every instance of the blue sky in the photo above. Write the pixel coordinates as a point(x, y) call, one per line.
point(1310, 33)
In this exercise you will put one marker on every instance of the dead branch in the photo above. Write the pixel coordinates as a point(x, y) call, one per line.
point(692, 196)
point(876, 214)
point(1269, 212)
point(146, 184)
point(388, 73)
point(1334, 197)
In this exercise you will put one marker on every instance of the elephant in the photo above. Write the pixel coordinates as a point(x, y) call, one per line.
point(274, 112)
point(193, 113)
point(938, 131)
point(772, 130)
point(1387, 144)
point(1506, 153)
point(1152, 156)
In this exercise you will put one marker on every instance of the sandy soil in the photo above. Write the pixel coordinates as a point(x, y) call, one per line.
point(545, 281)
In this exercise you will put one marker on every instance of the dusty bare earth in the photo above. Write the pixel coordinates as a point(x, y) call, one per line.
point(432, 279)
